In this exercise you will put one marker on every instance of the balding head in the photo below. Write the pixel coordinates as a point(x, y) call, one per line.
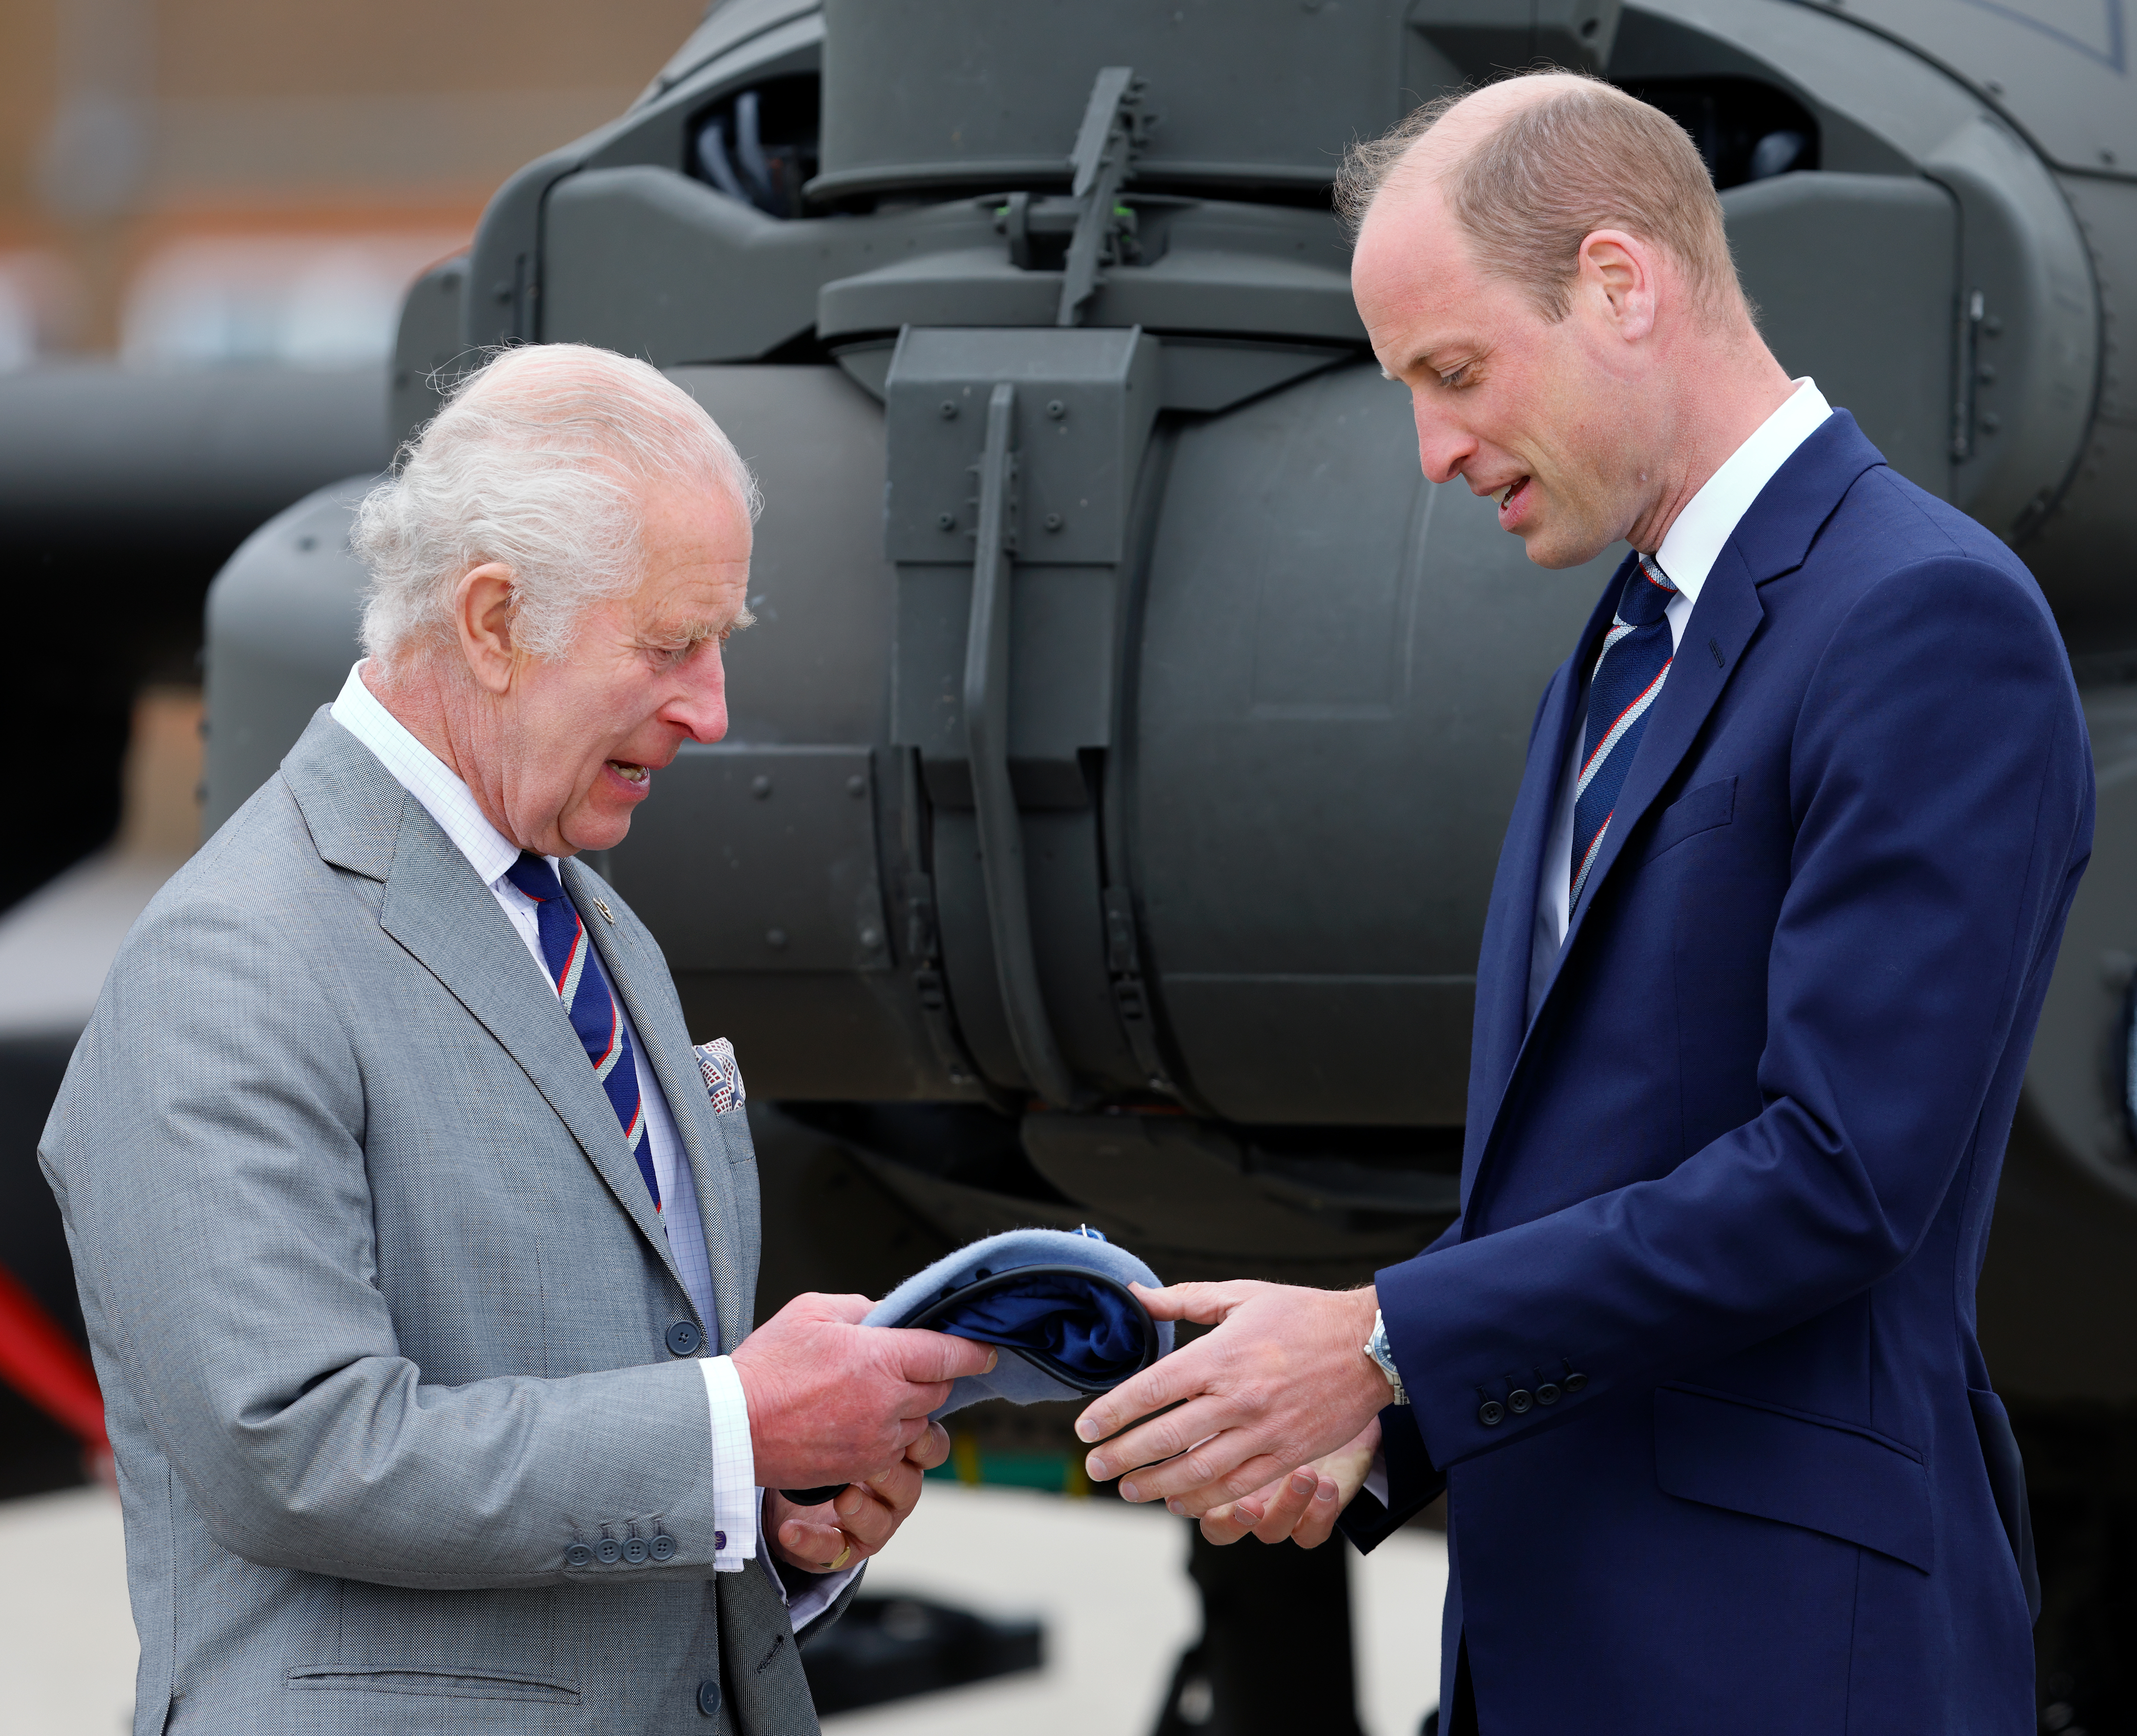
point(1531, 166)
point(1542, 265)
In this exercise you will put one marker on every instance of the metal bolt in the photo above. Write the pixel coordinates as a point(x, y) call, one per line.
point(949, 410)
point(1056, 409)
point(871, 938)
point(1990, 422)
point(775, 938)
point(1053, 521)
point(760, 786)
point(857, 785)
point(946, 520)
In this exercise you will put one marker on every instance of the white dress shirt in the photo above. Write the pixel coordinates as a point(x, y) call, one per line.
point(1687, 555)
point(737, 1504)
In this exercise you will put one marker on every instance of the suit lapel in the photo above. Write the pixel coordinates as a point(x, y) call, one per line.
point(1503, 965)
point(641, 977)
point(1722, 622)
point(451, 923)
point(1774, 538)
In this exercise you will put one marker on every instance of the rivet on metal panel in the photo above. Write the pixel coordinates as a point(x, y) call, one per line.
point(760, 786)
point(1053, 521)
point(946, 520)
point(949, 410)
point(1056, 409)
point(857, 785)
point(775, 938)
point(871, 937)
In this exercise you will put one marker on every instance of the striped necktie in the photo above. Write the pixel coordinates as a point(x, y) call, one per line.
point(577, 973)
point(1636, 658)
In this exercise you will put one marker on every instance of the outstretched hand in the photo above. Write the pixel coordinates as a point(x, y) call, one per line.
point(832, 1401)
point(1283, 1380)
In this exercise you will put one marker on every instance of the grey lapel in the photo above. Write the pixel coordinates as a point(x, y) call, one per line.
point(361, 820)
point(641, 976)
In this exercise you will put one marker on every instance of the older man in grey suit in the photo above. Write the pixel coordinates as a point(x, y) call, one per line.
point(410, 1230)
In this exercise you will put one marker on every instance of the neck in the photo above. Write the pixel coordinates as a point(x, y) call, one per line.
point(439, 708)
point(1730, 384)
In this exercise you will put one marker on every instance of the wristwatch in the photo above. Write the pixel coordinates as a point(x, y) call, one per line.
point(1376, 1347)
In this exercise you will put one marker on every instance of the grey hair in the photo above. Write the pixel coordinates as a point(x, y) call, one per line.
point(539, 461)
point(1551, 173)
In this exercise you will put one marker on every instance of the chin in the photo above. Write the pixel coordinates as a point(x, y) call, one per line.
point(1557, 553)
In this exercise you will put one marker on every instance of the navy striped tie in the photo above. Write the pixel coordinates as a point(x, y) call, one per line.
point(1628, 674)
point(576, 972)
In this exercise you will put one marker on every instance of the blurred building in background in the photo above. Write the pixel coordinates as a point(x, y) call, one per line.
point(199, 182)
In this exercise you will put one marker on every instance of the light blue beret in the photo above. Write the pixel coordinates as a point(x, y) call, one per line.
point(1055, 1302)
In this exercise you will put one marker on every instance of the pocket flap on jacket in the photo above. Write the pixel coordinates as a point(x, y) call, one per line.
point(1824, 1476)
point(1698, 811)
point(472, 1683)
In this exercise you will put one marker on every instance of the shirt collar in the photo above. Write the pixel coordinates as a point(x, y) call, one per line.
point(427, 777)
point(1711, 517)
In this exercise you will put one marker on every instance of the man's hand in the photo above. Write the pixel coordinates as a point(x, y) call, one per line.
point(1283, 1379)
point(1303, 1506)
point(831, 1401)
point(860, 1519)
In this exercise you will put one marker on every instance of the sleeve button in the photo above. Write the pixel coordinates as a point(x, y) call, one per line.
point(1573, 1382)
point(663, 1548)
point(636, 1550)
point(1521, 1400)
point(608, 1551)
point(1547, 1393)
point(578, 1556)
point(1491, 1413)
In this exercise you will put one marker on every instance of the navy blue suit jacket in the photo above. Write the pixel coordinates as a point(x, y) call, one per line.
point(1738, 1171)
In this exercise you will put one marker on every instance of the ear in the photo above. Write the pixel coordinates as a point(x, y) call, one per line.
point(482, 619)
point(1618, 280)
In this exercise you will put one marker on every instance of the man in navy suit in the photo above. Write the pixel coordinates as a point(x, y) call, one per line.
point(1802, 819)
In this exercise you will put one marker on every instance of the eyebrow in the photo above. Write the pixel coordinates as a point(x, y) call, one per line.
point(689, 635)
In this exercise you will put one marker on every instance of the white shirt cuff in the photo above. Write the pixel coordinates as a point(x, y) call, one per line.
point(736, 1500)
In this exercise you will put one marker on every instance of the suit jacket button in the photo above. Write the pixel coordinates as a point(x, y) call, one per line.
point(609, 1551)
point(1547, 1393)
point(663, 1548)
point(1573, 1382)
point(708, 1697)
point(578, 1556)
point(1521, 1400)
point(684, 1338)
point(636, 1551)
point(1491, 1413)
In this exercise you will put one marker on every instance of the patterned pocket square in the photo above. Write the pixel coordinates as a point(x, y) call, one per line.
point(716, 1061)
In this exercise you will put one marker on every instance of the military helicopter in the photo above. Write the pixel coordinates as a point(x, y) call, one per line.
point(1114, 781)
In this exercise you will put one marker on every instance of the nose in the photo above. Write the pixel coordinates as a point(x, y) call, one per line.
point(1442, 447)
point(700, 704)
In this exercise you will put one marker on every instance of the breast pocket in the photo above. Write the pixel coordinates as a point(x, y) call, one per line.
point(1696, 811)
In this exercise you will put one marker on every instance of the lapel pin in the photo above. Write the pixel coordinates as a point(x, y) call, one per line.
point(608, 915)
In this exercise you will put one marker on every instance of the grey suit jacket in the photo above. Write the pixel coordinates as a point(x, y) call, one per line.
point(378, 1300)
